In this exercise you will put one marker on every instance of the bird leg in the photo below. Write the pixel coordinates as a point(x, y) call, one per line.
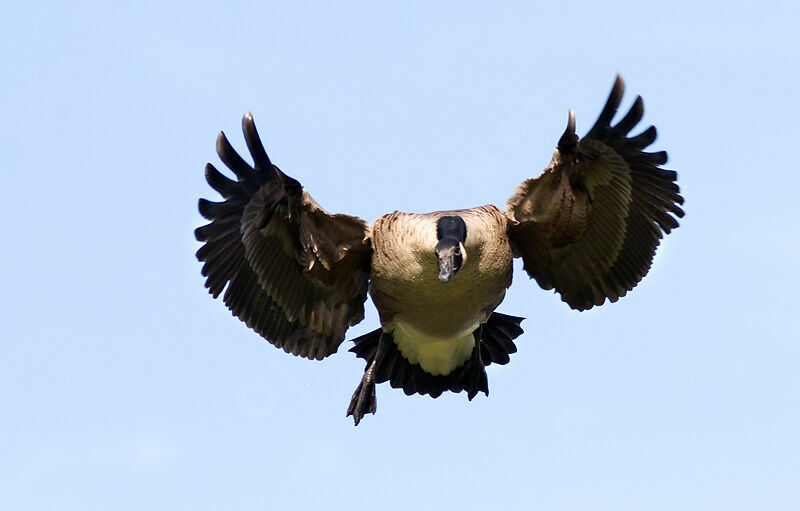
point(364, 400)
point(476, 372)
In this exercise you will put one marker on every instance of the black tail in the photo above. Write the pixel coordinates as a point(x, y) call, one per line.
point(497, 344)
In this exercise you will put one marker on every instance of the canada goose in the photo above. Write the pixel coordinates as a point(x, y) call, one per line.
point(587, 227)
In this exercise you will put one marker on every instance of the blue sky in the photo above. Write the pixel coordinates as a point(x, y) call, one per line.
point(123, 385)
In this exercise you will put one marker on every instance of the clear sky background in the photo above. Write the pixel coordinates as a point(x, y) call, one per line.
point(123, 385)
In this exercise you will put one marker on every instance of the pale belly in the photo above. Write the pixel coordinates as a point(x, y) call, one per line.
point(436, 355)
point(432, 322)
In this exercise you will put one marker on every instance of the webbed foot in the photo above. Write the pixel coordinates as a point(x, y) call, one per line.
point(363, 400)
point(476, 378)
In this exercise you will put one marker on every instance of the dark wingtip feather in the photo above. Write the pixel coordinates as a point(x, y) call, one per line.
point(254, 143)
point(202, 233)
point(656, 158)
point(231, 158)
point(569, 139)
point(611, 106)
point(670, 175)
point(644, 138)
point(631, 119)
point(206, 208)
point(226, 187)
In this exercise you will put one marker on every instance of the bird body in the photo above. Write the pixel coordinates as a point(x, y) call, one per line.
point(404, 270)
point(587, 227)
point(431, 323)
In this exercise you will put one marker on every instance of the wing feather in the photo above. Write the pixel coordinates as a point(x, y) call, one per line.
point(589, 226)
point(291, 271)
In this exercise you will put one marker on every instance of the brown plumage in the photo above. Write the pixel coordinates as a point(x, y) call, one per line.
point(588, 227)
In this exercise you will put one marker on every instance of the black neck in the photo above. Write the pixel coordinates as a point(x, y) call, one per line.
point(452, 227)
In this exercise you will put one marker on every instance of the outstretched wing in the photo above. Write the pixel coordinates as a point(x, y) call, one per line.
point(295, 274)
point(590, 224)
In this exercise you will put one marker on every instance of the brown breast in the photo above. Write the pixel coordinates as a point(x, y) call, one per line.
point(404, 276)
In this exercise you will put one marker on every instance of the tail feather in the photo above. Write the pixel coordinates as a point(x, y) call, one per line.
point(497, 338)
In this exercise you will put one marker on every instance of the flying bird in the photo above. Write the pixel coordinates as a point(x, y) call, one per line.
point(587, 227)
